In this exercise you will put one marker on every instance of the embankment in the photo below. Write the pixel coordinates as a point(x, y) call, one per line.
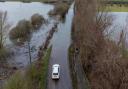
point(102, 60)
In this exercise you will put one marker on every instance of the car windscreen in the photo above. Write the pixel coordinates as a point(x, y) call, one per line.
point(55, 73)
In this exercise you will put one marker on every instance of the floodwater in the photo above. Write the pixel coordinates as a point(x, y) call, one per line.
point(120, 23)
point(17, 11)
point(61, 42)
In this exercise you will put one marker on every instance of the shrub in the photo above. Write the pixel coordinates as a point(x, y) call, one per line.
point(60, 9)
point(37, 20)
point(3, 54)
point(21, 31)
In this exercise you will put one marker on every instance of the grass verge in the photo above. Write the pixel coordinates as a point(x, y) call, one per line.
point(34, 78)
point(71, 65)
point(44, 67)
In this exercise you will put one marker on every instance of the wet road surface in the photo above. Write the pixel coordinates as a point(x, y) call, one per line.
point(61, 41)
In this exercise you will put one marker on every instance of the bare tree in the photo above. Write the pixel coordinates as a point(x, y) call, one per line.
point(102, 58)
point(4, 26)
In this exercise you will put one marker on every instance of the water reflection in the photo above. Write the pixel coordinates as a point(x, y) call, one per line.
point(18, 11)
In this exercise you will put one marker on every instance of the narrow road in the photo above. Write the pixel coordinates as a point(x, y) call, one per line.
point(61, 42)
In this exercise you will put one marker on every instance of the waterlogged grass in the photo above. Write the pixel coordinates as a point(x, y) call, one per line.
point(34, 78)
point(117, 8)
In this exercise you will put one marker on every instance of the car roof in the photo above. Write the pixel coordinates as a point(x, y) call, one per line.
point(55, 69)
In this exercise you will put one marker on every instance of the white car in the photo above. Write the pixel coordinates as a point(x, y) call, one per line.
point(56, 71)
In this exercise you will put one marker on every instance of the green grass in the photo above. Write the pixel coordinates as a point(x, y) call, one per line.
point(34, 78)
point(118, 0)
point(15, 82)
point(117, 8)
point(44, 68)
point(71, 62)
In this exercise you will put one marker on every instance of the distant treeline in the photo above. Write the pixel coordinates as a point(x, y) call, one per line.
point(117, 2)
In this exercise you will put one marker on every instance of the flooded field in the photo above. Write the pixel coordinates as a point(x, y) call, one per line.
point(17, 11)
point(120, 23)
point(61, 40)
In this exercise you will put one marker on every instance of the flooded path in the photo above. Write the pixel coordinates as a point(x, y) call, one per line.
point(61, 42)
